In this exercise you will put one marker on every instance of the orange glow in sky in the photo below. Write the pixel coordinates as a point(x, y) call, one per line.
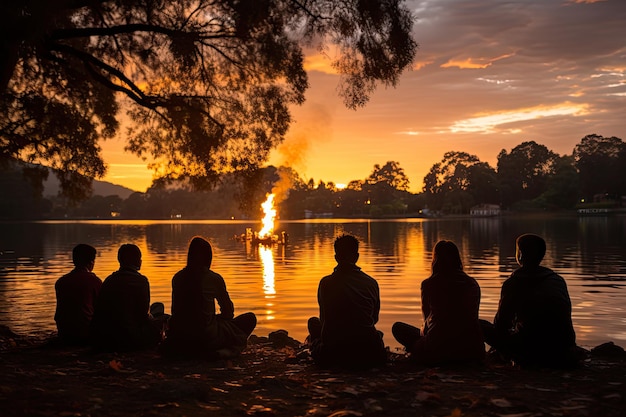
point(488, 76)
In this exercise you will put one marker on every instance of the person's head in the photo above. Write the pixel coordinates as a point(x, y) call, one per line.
point(446, 257)
point(84, 256)
point(129, 256)
point(346, 249)
point(200, 252)
point(529, 250)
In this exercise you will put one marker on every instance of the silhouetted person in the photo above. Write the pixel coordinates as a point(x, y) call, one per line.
point(121, 319)
point(345, 335)
point(76, 294)
point(533, 325)
point(195, 329)
point(450, 303)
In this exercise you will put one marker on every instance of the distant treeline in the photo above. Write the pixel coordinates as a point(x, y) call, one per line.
point(529, 177)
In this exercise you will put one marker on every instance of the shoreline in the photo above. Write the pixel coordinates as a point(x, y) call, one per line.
point(573, 212)
point(275, 377)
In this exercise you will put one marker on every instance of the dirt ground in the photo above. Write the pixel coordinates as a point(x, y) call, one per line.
point(275, 377)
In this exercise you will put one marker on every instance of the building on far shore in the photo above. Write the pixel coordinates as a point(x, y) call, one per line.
point(485, 210)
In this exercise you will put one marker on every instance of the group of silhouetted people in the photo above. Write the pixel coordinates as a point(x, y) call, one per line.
point(532, 326)
point(116, 315)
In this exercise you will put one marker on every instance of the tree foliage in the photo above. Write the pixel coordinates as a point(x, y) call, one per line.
point(206, 84)
point(459, 181)
point(386, 187)
point(601, 163)
point(562, 188)
point(523, 173)
point(391, 174)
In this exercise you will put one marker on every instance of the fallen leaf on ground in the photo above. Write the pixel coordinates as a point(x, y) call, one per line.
point(350, 391)
point(210, 407)
point(540, 389)
point(260, 410)
point(501, 402)
point(116, 365)
point(344, 413)
point(167, 405)
point(425, 396)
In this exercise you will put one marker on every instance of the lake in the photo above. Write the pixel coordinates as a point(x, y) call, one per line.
point(279, 283)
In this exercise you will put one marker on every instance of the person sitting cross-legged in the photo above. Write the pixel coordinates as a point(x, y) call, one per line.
point(345, 335)
point(195, 329)
point(450, 304)
point(533, 324)
point(76, 295)
point(122, 320)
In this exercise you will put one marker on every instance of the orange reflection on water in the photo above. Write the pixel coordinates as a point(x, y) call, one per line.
point(269, 288)
point(280, 283)
point(267, 259)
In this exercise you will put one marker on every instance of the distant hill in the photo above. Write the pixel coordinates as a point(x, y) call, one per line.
point(51, 185)
point(103, 188)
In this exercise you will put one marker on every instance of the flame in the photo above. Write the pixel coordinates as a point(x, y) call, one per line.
point(270, 215)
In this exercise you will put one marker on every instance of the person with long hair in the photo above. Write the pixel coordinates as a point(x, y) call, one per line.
point(450, 303)
point(195, 328)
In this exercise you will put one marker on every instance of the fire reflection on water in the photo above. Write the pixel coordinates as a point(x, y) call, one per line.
point(269, 289)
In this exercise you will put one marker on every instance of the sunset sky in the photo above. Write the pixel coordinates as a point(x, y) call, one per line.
point(488, 76)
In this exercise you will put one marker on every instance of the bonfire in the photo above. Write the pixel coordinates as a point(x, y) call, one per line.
point(266, 235)
point(267, 231)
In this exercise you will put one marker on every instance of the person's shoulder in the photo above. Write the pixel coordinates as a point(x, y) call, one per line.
point(64, 278)
point(93, 277)
point(139, 277)
point(179, 274)
point(469, 279)
point(328, 279)
point(367, 277)
point(112, 278)
point(514, 279)
point(211, 273)
point(552, 275)
point(468, 276)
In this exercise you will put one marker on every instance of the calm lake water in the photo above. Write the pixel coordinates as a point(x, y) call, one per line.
point(279, 283)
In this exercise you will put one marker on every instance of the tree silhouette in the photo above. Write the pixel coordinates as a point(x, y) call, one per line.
point(600, 162)
point(523, 173)
point(206, 84)
point(459, 181)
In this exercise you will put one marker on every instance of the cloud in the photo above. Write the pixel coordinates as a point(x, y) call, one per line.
point(408, 132)
point(319, 62)
point(489, 123)
point(473, 63)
